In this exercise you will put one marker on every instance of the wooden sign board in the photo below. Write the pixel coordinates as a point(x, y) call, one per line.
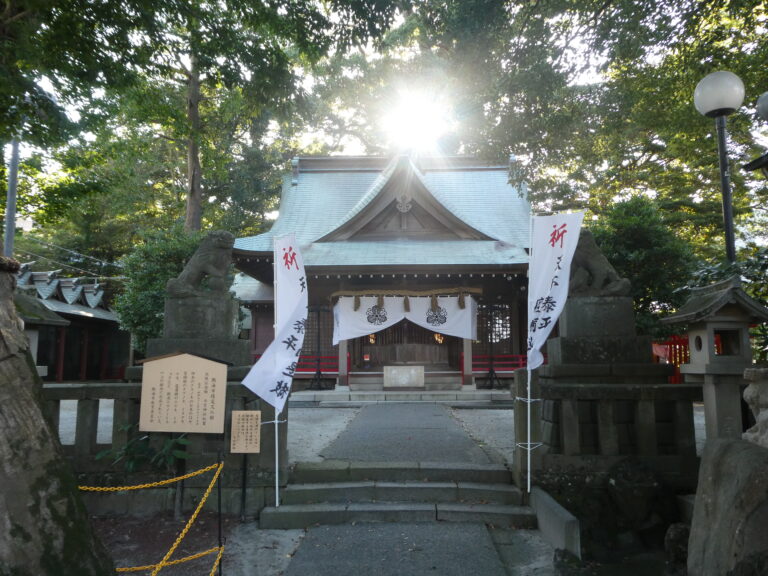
point(246, 432)
point(183, 393)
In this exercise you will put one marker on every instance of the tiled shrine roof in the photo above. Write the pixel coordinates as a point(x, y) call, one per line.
point(374, 211)
point(68, 296)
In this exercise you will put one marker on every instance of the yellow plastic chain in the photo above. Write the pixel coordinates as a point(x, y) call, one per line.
point(219, 549)
point(218, 559)
point(191, 521)
point(165, 562)
point(151, 485)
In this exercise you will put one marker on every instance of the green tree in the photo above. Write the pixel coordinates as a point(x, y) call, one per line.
point(593, 99)
point(96, 197)
point(638, 241)
point(204, 53)
point(172, 60)
point(147, 269)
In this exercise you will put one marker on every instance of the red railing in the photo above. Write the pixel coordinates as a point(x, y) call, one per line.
point(307, 364)
point(674, 351)
point(500, 363)
point(481, 363)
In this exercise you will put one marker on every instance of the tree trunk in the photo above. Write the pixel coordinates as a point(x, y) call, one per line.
point(193, 221)
point(44, 527)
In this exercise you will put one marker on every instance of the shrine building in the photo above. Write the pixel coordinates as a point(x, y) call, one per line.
point(416, 271)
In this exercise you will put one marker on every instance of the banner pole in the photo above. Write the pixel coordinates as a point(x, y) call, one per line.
point(528, 432)
point(527, 364)
point(277, 415)
point(277, 463)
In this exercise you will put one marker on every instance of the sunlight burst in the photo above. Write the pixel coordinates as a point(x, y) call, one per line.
point(417, 121)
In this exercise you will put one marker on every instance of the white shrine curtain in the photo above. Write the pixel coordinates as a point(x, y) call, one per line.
point(449, 318)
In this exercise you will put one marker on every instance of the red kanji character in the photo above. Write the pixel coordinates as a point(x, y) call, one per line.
point(557, 235)
point(289, 257)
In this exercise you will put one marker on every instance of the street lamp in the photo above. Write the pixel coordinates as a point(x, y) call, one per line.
point(717, 95)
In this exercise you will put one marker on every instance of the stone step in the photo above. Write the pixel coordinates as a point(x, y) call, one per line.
point(344, 471)
point(372, 491)
point(298, 516)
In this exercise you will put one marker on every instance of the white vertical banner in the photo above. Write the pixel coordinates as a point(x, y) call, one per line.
point(553, 243)
point(271, 377)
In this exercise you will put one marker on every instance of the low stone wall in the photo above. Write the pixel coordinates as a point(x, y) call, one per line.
point(592, 426)
point(252, 476)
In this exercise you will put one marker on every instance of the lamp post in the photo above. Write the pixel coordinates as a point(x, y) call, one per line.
point(716, 96)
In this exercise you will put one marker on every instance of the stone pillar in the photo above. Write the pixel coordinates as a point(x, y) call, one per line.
point(570, 427)
point(466, 375)
point(608, 433)
point(262, 329)
point(514, 322)
point(87, 421)
point(722, 406)
point(343, 371)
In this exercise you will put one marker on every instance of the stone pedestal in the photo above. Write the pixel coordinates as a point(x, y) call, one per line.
point(722, 406)
point(204, 325)
point(604, 399)
point(213, 317)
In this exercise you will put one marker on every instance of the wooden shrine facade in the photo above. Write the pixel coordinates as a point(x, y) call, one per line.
point(407, 227)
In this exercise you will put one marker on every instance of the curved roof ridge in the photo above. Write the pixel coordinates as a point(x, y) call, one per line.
point(373, 191)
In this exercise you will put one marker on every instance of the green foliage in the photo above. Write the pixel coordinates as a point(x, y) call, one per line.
point(139, 452)
point(641, 245)
point(160, 257)
point(593, 99)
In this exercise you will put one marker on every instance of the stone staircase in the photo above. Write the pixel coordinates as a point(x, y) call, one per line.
point(340, 492)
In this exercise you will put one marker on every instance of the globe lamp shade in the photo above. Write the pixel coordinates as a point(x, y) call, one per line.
point(762, 106)
point(718, 94)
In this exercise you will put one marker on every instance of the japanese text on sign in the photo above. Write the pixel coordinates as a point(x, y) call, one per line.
point(246, 432)
point(183, 393)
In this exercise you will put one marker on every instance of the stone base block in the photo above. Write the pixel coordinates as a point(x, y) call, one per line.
point(231, 351)
point(598, 317)
point(599, 350)
point(214, 317)
point(399, 377)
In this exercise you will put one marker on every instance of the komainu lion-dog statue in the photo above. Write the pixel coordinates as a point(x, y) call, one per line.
point(591, 272)
point(208, 269)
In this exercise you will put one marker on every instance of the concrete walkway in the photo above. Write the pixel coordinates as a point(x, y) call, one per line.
point(390, 432)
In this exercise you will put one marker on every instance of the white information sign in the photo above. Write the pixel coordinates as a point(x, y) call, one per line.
point(183, 393)
point(246, 432)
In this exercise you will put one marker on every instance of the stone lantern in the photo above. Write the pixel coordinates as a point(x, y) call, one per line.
point(718, 318)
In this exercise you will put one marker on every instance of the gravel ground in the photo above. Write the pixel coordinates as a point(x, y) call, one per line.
point(493, 430)
point(310, 430)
